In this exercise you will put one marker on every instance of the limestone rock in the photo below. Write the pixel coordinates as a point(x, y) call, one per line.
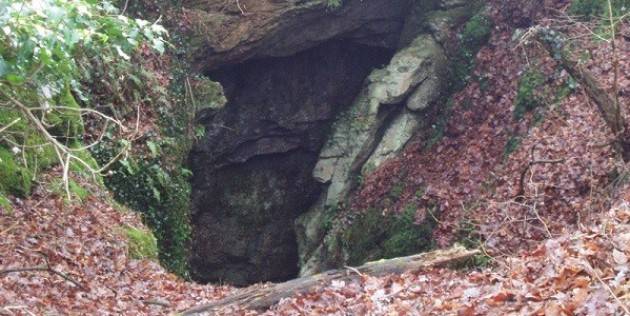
point(354, 134)
point(398, 133)
point(357, 134)
point(226, 32)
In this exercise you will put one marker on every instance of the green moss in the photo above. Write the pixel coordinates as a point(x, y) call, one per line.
point(155, 183)
point(5, 204)
point(207, 94)
point(77, 191)
point(397, 190)
point(407, 236)
point(528, 97)
point(66, 124)
point(14, 177)
point(473, 36)
point(141, 243)
point(374, 236)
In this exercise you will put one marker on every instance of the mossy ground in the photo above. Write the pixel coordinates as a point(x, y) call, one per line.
point(474, 34)
point(24, 151)
point(141, 243)
point(528, 96)
point(374, 235)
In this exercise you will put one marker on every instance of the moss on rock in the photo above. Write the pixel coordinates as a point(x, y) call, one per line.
point(141, 243)
point(15, 178)
point(527, 98)
point(474, 34)
point(374, 235)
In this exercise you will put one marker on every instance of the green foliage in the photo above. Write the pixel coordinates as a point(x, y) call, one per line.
point(334, 4)
point(141, 243)
point(161, 194)
point(528, 97)
point(373, 235)
point(41, 43)
point(598, 8)
point(473, 36)
point(55, 52)
point(77, 192)
point(5, 204)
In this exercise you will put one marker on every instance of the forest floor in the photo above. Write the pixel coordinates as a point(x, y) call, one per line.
point(557, 241)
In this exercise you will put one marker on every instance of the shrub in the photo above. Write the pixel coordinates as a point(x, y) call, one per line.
point(40, 43)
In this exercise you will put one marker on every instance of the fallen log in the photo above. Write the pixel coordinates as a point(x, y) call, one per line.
point(262, 297)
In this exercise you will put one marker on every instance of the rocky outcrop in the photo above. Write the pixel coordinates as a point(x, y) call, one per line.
point(228, 32)
point(410, 82)
point(252, 170)
point(273, 169)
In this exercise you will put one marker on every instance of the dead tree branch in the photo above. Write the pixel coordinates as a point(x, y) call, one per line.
point(556, 44)
point(520, 194)
point(262, 297)
point(45, 268)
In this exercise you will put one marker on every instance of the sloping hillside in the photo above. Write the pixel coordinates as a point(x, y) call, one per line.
point(519, 164)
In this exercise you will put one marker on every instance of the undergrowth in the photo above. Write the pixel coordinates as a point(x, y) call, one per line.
point(474, 34)
point(598, 8)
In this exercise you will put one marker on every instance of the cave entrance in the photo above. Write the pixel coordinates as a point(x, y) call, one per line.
point(252, 172)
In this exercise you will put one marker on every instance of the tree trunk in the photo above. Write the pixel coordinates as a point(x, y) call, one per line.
point(264, 296)
point(555, 43)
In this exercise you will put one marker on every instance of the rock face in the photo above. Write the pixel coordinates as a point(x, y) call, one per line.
point(253, 168)
point(227, 32)
point(357, 136)
point(273, 168)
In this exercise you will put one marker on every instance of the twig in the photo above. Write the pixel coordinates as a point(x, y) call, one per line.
point(158, 302)
point(521, 184)
point(9, 229)
point(238, 4)
point(45, 268)
point(353, 269)
point(612, 293)
point(2, 129)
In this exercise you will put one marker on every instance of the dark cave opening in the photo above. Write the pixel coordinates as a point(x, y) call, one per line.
point(253, 169)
